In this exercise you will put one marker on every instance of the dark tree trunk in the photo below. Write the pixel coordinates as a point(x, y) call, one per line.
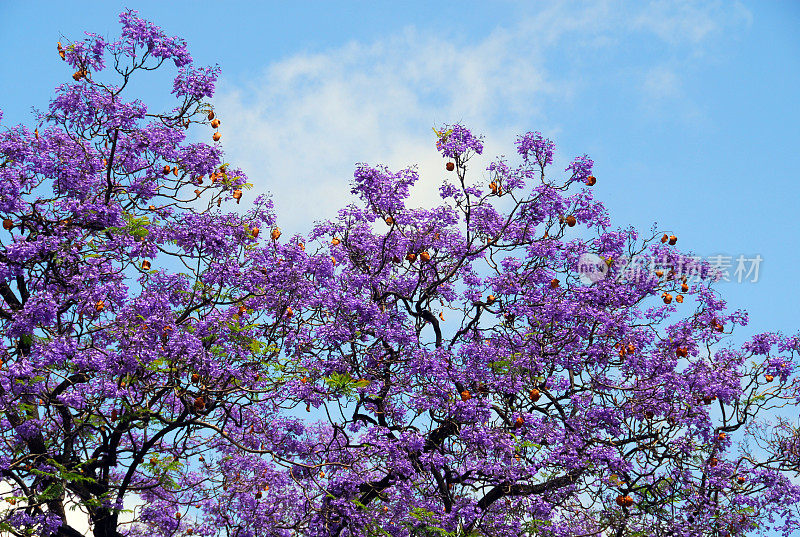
point(68, 531)
point(105, 525)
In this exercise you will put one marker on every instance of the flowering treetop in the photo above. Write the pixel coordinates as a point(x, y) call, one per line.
point(449, 372)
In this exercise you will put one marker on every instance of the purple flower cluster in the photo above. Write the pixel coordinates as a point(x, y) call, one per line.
point(382, 190)
point(581, 168)
point(456, 141)
point(137, 32)
point(535, 147)
point(398, 371)
point(88, 53)
point(197, 82)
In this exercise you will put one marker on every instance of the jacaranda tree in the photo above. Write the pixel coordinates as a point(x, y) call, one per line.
point(174, 370)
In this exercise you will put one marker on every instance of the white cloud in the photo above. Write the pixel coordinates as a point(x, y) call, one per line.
point(690, 22)
point(662, 82)
point(303, 125)
point(299, 128)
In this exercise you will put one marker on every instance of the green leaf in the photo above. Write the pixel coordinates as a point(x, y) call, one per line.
point(52, 492)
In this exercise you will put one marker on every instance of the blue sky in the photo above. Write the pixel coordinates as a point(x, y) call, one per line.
point(688, 108)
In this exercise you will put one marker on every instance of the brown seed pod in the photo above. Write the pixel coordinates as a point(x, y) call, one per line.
point(535, 395)
point(490, 299)
point(684, 287)
point(554, 284)
point(237, 195)
point(216, 136)
point(8, 224)
point(100, 306)
point(450, 166)
point(683, 352)
point(667, 298)
point(465, 396)
point(199, 403)
point(167, 169)
point(679, 299)
point(335, 241)
point(276, 233)
point(210, 115)
point(411, 257)
point(145, 265)
point(591, 180)
point(425, 256)
point(195, 380)
point(389, 220)
point(520, 421)
point(289, 311)
point(665, 238)
point(673, 239)
point(769, 378)
point(215, 123)
point(571, 220)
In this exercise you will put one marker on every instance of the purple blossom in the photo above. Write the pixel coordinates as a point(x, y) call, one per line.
point(533, 146)
point(397, 370)
point(197, 82)
point(456, 141)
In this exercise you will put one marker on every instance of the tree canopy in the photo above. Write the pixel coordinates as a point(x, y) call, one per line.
point(455, 370)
